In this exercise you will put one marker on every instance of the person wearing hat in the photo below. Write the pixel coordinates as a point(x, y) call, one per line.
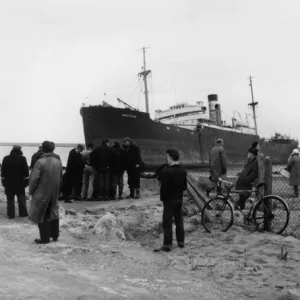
point(247, 177)
point(44, 187)
point(101, 159)
point(14, 177)
point(117, 171)
point(261, 166)
point(74, 174)
point(134, 164)
point(36, 156)
point(217, 161)
point(293, 167)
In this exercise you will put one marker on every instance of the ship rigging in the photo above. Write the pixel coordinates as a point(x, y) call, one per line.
point(253, 104)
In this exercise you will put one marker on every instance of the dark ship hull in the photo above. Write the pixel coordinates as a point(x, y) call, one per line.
point(154, 138)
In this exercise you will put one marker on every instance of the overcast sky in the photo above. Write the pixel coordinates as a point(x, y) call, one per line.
point(56, 53)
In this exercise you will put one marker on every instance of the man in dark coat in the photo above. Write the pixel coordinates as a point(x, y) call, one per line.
point(134, 162)
point(44, 186)
point(101, 158)
point(36, 156)
point(118, 169)
point(173, 182)
point(247, 177)
point(217, 161)
point(74, 174)
point(14, 175)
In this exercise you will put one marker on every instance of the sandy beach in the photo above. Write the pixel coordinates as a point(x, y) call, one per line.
point(238, 264)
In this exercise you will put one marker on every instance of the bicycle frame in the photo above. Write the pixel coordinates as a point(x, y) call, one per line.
point(252, 192)
point(263, 211)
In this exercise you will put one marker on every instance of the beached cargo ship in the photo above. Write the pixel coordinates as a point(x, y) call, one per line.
point(194, 141)
point(192, 129)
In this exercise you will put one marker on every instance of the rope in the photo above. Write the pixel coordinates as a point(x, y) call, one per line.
point(136, 86)
point(139, 94)
point(152, 100)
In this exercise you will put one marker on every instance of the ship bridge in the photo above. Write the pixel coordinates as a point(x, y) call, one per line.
point(182, 114)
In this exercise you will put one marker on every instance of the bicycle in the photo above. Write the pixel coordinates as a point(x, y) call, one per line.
point(263, 210)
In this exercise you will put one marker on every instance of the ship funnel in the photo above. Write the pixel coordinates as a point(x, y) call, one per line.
point(218, 114)
point(212, 105)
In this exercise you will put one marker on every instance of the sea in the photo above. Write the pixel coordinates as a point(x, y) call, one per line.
point(28, 151)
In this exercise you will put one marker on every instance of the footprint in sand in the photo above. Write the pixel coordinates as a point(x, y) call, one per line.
point(267, 253)
point(237, 251)
point(243, 242)
point(259, 260)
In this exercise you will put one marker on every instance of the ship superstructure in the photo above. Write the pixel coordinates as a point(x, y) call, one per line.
point(192, 117)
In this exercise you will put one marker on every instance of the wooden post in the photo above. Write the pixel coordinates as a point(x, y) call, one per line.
point(268, 190)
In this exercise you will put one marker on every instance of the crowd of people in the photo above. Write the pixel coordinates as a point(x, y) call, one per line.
point(93, 173)
point(98, 173)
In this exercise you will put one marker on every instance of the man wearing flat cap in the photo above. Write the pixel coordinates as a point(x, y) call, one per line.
point(217, 161)
point(44, 187)
point(74, 174)
point(36, 156)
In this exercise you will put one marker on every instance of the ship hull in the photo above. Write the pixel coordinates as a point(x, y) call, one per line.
point(155, 138)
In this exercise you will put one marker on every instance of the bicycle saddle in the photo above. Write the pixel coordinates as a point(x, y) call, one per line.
point(260, 185)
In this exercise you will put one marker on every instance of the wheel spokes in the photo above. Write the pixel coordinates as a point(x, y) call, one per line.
point(218, 216)
point(273, 212)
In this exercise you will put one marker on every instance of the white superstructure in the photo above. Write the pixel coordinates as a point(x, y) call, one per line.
point(183, 115)
point(194, 116)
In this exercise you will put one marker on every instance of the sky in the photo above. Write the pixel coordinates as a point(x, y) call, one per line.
point(57, 54)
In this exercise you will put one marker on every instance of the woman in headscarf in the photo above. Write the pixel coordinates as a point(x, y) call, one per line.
point(293, 168)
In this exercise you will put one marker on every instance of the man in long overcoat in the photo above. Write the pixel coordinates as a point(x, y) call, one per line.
point(14, 174)
point(247, 178)
point(36, 156)
point(101, 159)
point(118, 169)
point(294, 168)
point(44, 186)
point(134, 163)
point(217, 161)
point(74, 173)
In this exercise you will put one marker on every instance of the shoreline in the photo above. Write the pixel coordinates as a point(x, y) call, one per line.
point(7, 144)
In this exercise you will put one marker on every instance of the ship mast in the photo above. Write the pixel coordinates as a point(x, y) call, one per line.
point(253, 104)
point(145, 73)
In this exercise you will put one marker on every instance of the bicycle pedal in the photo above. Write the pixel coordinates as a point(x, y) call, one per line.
point(247, 222)
point(238, 214)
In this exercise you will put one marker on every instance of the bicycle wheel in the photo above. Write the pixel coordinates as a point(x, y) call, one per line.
point(217, 215)
point(273, 211)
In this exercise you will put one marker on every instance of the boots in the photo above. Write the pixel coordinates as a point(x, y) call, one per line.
point(137, 193)
point(131, 195)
